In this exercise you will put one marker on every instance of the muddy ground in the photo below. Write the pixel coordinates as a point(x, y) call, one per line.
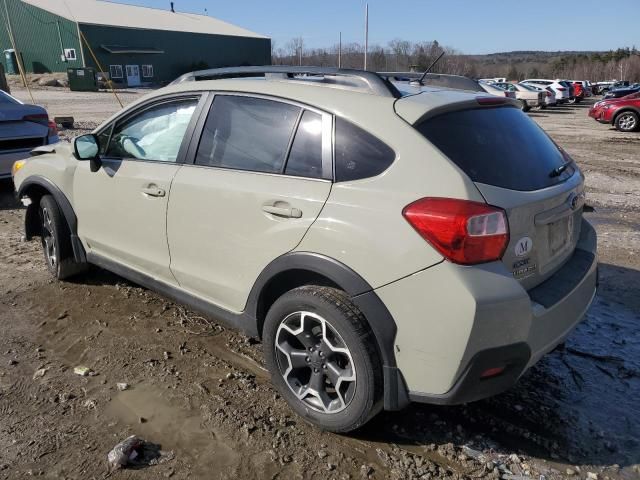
point(199, 392)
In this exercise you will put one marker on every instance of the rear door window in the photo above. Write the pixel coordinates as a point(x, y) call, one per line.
point(305, 158)
point(498, 146)
point(358, 154)
point(246, 133)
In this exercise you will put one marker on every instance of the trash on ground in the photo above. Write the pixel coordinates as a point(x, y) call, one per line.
point(40, 373)
point(82, 371)
point(134, 451)
point(122, 386)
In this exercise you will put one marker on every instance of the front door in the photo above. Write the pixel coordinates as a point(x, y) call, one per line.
point(122, 207)
point(250, 196)
point(133, 75)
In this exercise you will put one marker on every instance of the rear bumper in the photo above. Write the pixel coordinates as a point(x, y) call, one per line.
point(463, 321)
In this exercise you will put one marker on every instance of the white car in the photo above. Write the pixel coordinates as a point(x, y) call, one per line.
point(550, 94)
point(562, 93)
point(529, 96)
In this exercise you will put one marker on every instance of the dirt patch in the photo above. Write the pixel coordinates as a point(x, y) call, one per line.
point(200, 392)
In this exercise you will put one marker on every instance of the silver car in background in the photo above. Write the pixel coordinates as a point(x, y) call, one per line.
point(23, 127)
point(550, 94)
point(528, 96)
point(493, 89)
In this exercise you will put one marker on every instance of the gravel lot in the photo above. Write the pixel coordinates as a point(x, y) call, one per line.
point(200, 391)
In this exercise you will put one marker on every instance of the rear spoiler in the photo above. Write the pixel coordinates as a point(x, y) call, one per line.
point(455, 82)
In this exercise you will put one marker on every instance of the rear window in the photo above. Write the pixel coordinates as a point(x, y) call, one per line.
point(498, 146)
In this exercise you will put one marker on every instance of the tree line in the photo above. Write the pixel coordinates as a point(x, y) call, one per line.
point(401, 56)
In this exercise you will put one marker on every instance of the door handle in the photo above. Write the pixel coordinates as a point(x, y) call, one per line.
point(154, 191)
point(286, 212)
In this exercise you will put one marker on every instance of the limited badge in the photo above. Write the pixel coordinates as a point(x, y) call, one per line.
point(523, 246)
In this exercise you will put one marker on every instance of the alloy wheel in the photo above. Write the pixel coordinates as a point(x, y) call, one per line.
point(627, 122)
point(48, 239)
point(315, 362)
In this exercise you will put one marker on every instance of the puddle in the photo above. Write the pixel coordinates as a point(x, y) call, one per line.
point(174, 428)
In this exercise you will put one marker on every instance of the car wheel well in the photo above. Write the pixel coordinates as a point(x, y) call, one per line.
point(624, 110)
point(31, 220)
point(281, 284)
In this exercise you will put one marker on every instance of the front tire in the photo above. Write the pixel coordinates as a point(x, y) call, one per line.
point(627, 122)
point(56, 240)
point(323, 358)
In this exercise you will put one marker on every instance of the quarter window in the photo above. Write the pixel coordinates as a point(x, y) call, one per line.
point(305, 159)
point(155, 134)
point(358, 153)
point(246, 133)
point(115, 71)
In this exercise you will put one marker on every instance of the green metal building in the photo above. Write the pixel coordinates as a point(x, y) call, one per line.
point(133, 45)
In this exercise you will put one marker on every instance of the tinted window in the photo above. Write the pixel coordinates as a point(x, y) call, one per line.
point(154, 134)
point(358, 153)
point(497, 146)
point(305, 159)
point(247, 133)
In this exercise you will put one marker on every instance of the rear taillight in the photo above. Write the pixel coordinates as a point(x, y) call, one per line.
point(548, 94)
point(41, 118)
point(462, 231)
point(561, 89)
point(53, 128)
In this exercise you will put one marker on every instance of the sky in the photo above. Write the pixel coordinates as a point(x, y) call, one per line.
point(470, 26)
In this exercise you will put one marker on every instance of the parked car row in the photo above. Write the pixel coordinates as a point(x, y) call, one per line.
point(539, 92)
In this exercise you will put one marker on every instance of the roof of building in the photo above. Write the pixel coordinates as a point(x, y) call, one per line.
point(97, 12)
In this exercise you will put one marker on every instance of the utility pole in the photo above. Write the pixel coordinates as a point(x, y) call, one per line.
point(366, 34)
point(340, 51)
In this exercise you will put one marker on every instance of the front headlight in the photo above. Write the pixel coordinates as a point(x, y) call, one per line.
point(17, 165)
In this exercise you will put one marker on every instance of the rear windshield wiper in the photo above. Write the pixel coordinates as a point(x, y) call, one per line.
point(556, 172)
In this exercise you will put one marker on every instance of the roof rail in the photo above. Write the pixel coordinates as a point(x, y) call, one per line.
point(456, 82)
point(356, 79)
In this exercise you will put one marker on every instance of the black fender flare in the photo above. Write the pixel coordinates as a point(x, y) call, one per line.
point(362, 294)
point(65, 207)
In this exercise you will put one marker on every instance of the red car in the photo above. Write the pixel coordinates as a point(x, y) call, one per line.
point(623, 113)
point(578, 92)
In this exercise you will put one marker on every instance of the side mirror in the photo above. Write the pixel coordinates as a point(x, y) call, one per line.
point(87, 147)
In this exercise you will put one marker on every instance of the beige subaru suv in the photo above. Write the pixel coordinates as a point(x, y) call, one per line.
point(387, 244)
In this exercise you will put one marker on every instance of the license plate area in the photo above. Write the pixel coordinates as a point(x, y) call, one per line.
point(560, 235)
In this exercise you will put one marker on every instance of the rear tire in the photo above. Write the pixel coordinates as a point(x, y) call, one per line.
point(627, 122)
point(525, 106)
point(56, 240)
point(323, 358)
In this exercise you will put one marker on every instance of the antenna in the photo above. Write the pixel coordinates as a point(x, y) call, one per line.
point(366, 34)
point(430, 67)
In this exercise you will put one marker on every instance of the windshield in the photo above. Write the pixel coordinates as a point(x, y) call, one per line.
point(498, 146)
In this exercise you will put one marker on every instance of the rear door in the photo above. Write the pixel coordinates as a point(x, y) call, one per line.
point(260, 176)
point(517, 167)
